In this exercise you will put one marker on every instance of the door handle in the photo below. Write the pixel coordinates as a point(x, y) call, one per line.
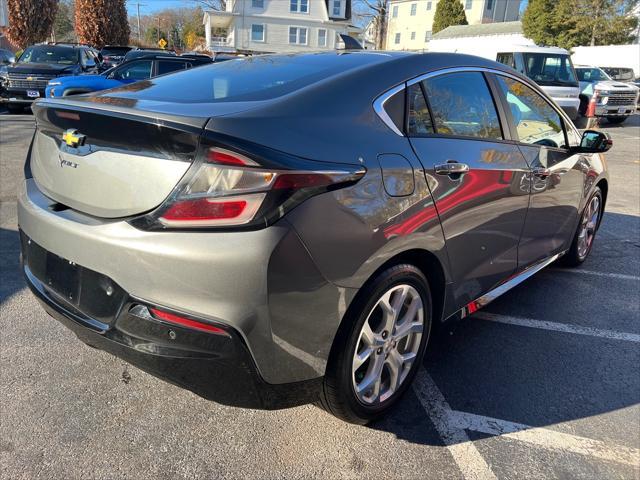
point(541, 172)
point(451, 168)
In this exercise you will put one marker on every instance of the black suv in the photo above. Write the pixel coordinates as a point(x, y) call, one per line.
point(26, 80)
point(113, 55)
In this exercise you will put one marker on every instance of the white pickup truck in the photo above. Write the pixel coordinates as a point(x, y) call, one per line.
point(615, 100)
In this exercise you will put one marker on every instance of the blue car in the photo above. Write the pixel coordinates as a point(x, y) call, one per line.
point(128, 72)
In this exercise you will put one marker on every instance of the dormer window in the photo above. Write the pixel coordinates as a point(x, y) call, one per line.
point(299, 6)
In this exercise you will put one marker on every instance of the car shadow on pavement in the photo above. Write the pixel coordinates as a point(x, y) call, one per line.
point(539, 377)
point(11, 280)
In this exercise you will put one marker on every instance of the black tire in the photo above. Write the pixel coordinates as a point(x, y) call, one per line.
point(338, 395)
point(573, 257)
point(15, 108)
point(616, 120)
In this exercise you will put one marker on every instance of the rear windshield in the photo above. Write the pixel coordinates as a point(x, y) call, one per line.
point(117, 51)
point(550, 69)
point(248, 79)
point(49, 54)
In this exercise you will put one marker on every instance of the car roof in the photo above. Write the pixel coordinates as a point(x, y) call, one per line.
point(533, 49)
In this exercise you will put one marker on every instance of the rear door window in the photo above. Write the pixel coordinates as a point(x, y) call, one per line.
point(461, 104)
point(166, 66)
point(535, 120)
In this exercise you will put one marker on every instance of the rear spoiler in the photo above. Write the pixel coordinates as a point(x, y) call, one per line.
point(150, 111)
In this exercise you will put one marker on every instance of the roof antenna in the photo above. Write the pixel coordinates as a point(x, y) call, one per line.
point(346, 42)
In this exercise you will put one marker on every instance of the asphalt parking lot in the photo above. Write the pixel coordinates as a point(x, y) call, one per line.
point(544, 383)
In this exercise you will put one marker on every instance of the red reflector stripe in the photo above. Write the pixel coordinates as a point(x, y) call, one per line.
point(203, 209)
point(301, 180)
point(67, 115)
point(186, 322)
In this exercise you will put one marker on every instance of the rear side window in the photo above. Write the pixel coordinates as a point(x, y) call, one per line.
point(462, 104)
point(535, 120)
point(165, 66)
point(419, 120)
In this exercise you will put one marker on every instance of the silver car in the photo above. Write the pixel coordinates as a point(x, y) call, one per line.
point(278, 230)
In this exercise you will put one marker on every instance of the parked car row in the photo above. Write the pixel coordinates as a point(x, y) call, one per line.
point(134, 70)
point(62, 69)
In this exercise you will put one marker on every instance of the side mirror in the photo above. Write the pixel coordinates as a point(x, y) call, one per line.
point(593, 141)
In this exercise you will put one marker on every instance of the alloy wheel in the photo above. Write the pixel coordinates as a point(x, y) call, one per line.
point(589, 224)
point(388, 344)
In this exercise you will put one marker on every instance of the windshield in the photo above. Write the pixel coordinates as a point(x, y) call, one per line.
point(49, 54)
point(550, 69)
point(106, 51)
point(591, 75)
point(249, 79)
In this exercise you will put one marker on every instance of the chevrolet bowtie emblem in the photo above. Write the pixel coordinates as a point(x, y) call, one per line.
point(73, 139)
point(29, 78)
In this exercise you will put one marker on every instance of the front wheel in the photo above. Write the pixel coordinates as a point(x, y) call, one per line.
point(586, 232)
point(616, 120)
point(380, 346)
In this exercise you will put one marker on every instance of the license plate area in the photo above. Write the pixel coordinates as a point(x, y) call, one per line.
point(63, 277)
point(622, 109)
point(91, 293)
point(33, 93)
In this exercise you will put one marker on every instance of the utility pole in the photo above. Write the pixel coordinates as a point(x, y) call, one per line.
point(138, 5)
point(158, 29)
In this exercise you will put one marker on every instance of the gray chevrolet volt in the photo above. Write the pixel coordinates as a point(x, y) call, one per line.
point(286, 229)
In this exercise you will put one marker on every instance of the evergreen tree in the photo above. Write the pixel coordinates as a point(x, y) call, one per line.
point(63, 25)
point(569, 23)
point(448, 12)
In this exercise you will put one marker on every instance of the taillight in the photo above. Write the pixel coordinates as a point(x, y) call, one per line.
point(227, 188)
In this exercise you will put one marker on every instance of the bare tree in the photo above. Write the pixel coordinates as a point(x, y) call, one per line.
point(377, 12)
point(219, 5)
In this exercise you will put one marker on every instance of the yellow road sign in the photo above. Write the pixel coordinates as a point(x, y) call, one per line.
point(162, 43)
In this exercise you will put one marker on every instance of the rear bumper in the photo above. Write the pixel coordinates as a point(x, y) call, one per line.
point(216, 367)
point(261, 284)
point(569, 104)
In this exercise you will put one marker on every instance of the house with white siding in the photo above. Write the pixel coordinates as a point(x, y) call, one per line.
point(410, 22)
point(277, 26)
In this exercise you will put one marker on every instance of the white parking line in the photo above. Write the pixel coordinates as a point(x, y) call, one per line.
point(620, 276)
point(545, 438)
point(557, 327)
point(464, 453)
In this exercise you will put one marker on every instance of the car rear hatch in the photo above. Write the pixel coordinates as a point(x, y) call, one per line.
point(108, 159)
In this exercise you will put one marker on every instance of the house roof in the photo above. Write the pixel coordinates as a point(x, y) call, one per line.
point(498, 28)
